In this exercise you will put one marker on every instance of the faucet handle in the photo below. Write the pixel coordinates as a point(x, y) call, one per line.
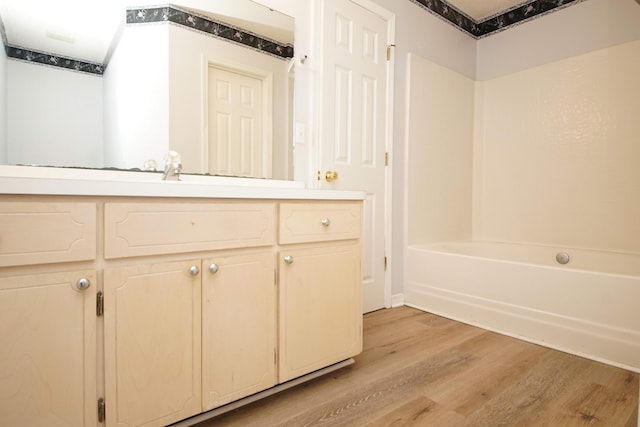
point(172, 166)
point(172, 158)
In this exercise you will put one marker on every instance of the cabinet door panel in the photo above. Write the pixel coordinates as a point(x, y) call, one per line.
point(239, 306)
point(152, 343)
point(320, 307)
point(48, 350)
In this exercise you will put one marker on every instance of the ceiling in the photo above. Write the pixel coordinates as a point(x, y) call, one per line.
point(481, 18)
point(479, 10)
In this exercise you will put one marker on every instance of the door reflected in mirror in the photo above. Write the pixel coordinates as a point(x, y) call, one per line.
point(121, 94)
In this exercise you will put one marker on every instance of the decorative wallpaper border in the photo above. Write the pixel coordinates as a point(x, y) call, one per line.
point(44, 58)
point(478, 29)
point(54, 60)
point(209, 26)
point(167, 13)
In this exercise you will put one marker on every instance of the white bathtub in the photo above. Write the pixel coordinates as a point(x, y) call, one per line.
point(589, 306)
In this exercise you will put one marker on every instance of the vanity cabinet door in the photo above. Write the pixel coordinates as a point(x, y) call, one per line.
point(152, 343)
point(48, 350)
point(320, 307)
point(238, 326)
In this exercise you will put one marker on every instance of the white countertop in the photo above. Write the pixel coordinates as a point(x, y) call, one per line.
point(90, 182)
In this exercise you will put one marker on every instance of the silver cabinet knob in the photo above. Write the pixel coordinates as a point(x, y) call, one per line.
point(288, 259)
point(325, 222)
point(213, 268)
point(194, 270)
point(83, 283)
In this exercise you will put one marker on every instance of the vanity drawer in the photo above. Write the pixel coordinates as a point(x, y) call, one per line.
point(319, 221)
point(43, 233)
point(136, 229)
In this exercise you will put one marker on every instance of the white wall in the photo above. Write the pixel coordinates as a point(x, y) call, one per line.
point(54, 116)
point(3, 106)
point(575, 30)
point(136, 87)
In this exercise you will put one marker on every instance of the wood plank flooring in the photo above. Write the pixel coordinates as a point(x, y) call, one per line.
point(418, 369)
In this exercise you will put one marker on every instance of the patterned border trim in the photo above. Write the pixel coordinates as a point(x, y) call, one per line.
point(54, 60)
point(210, 27)
point(156, 14)
point(450, 14)
point(478, 29)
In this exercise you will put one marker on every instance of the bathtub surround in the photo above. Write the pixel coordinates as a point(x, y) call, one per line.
point(555, 151)
point(439, 168)
point(553, 142)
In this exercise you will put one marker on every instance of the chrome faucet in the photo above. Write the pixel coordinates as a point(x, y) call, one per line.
point(172, 166)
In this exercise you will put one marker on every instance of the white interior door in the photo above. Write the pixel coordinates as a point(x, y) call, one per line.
point(236, 117)
point(355, 122)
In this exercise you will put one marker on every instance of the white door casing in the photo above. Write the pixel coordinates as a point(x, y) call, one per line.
point(238, 115)
point(357, 75)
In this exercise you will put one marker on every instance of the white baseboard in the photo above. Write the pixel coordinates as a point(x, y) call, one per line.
point(576, 336)
point(397, 300)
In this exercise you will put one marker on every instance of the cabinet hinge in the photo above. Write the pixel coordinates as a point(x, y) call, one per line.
point(386, 159)
point(275, 356)
point(101, 413)
point(385, 263)
point(99, 304)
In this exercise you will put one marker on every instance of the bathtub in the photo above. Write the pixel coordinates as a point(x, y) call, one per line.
point(589, 306)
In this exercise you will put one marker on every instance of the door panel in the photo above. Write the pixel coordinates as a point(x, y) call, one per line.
point(237, 145)
point(355, 119)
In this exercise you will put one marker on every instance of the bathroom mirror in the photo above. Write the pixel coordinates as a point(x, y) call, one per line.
point(115, 84)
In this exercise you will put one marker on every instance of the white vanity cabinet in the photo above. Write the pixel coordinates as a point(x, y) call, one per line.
point(145, 311)
point(182, 337)
point(320, 293)
point(47, 313)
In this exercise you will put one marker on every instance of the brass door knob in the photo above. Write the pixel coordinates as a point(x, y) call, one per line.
point(331, 176)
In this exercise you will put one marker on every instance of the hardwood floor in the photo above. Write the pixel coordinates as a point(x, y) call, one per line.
point(418, 369)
